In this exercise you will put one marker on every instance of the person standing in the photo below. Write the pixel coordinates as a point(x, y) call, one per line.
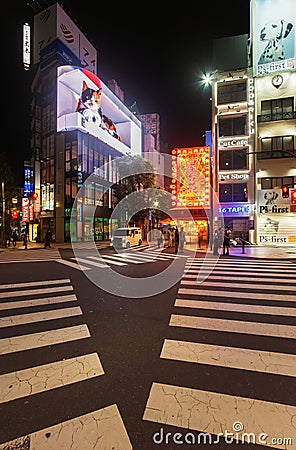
point(47, 238)
point(25, 240)
point(182, 239)
point(14, 238)
point(226, 242)
point(216, 243)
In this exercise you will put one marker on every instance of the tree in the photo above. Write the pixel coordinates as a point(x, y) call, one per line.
point(136, 174)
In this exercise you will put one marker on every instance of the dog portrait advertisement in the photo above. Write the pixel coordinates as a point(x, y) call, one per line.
point(79, 102)
point(274, 35)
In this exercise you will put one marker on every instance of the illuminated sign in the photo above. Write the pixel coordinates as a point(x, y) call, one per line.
point(84, 103)
point(235, 210)
point(273, 35)
point(25, 210)
point(191, 169)
point(251, 106)
point(52, 23)
point(232, 143)
point(234, 176)
point(26, 46)
point(276, 230)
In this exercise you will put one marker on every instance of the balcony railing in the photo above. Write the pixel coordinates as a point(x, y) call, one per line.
point(277, 116)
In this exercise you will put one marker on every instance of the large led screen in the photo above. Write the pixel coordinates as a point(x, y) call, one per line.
point(273, 35)
point(84, 103)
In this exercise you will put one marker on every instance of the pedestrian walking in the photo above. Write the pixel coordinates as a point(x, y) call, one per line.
point(176, 240)
point(226, 241)
point(159, 239)
point(14, 238)
point(169, 237)
point(182, 239)
point(47, 240)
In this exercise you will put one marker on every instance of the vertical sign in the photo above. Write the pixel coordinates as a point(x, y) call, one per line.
point(26, 46)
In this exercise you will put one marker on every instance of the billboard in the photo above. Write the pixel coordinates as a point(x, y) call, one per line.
point(54, 23)
point(191, 183)
point(84, 103)
point(273, 36)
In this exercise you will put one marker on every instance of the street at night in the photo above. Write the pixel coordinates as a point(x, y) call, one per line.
point(79, 364)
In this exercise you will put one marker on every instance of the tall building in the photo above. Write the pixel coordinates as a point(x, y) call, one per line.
point(79, 127)
point(254, 127)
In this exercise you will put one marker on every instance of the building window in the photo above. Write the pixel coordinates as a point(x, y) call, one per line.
point(277, 147)
point(232, 92)
point(277, 182)
point(233, 193)
point(233, 159)
point(277, 109)
point(233, 126)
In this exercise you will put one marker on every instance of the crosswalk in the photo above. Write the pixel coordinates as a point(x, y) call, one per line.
point(83, 431)
point(142, 255)
point(231, 301)
point(29, 255)
point(240, 300)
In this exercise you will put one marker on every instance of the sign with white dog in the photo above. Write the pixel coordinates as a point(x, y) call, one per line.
point(273, 35)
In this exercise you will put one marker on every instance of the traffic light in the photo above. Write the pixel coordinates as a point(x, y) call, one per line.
point(285, 191)
point(14, 214)
point(293, 197)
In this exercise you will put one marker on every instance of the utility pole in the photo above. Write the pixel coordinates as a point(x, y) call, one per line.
point(3, 217)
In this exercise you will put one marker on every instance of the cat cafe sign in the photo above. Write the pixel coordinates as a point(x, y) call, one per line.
point(270, 201)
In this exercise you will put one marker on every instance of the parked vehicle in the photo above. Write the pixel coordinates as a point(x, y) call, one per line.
point(126, 237)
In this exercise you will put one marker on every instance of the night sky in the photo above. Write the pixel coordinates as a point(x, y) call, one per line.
point(157, 57)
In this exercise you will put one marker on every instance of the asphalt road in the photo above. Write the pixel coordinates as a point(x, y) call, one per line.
point(140, 371)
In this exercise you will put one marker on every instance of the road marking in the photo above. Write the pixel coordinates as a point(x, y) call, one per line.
point(105, 259)
point(35, 291)
point(43, 378)
point(233, 294)
point(72, 264)
point(91, 263)
point(235, 358)
point(236, 307)
point(248, 272)
point(215, 413)
point(241, 285)
point(97, 430)
point(34, 283)
point(38, 302)
point(244, 278)
point(234, 326)
point(21, 319)
point(43, 339)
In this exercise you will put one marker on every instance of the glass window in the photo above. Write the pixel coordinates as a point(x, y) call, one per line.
point(232, 92)
point(277, 147)
point(233, 159)
point(233, 126)
point(230, 193)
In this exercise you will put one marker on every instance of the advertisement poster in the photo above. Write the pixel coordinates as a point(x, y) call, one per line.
point(273, 35)
point(193, 173)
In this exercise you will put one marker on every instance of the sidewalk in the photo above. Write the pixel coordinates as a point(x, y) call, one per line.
point(250, 251)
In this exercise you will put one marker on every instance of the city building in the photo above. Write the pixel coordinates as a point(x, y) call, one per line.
point(79, 126)
point(254, 128)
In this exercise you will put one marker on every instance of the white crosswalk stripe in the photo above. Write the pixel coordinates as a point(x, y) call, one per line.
point(103, 261)
point(81, 431)
point(232, 287)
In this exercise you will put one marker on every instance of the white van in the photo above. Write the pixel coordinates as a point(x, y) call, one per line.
point(126, 237)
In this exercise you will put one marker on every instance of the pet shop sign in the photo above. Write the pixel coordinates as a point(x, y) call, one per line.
point(270, 201)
